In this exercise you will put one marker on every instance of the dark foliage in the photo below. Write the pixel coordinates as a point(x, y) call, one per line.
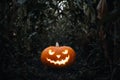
point(29, 26)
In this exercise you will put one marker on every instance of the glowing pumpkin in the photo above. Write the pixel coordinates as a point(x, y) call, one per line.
point(58, 56)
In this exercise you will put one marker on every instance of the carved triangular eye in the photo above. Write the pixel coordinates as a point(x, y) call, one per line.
point(51, 52)
point(65, 52)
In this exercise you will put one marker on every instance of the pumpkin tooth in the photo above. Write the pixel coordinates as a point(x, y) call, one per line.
point(59, 62)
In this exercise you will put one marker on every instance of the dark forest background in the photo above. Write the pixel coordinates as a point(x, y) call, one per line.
point(29, 26)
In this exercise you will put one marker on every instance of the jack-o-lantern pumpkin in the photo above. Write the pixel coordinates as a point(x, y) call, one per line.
point(58, 56)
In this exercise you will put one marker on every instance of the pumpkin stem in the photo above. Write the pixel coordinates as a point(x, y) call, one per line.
point(57, 44)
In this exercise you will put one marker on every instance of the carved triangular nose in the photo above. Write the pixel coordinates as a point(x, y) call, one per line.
point(58, 56)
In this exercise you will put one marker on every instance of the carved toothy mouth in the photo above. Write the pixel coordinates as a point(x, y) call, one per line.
point(63, 61)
